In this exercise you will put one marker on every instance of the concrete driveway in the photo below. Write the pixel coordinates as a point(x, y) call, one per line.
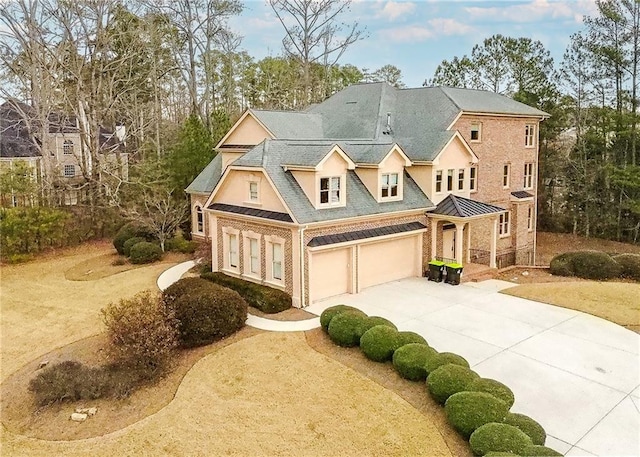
point(576, 374)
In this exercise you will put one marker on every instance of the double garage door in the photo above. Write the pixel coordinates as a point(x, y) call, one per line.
point(351, 269)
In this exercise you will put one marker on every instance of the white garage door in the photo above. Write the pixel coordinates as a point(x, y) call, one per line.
point(389, 260)
point(330, 273)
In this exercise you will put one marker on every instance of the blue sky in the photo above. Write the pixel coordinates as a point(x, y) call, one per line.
point(416, 36)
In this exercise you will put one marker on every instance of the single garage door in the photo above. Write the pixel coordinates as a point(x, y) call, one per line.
point(330, 273)
point(389, 260)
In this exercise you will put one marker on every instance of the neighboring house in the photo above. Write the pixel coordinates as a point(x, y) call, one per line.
point(368, 186)
point(67, 163)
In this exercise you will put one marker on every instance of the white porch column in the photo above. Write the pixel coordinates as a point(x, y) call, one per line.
point(494, 242)
point(459, 242)
point(434, 239)
point(468, 242)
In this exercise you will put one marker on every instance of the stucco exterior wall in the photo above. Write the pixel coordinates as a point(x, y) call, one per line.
point(247, 132)
point(307, 180)
point(235, 191)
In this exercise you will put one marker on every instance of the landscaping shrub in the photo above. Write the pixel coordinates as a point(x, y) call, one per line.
point(379, 343)
point(129, 231)
point(501, 454)
point(67, 381)
point(534, 430)
point(266, 299)
point(467, 411)
point(444, 358)
point(145, 252)
point(142, 332)
point(585, 264)
point(372, 321)
point(409, 360)
point(629, 264)
point(183, 286)
point(208, 315)
point(539, 451)
point(346, 327)
point(495, 388)
point(179, 244)
point(410, 337)
point(448, 380)
point(332, 311)
point(131, 242)
point(498, 437)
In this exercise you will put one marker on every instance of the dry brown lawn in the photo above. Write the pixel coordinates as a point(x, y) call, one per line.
point(552, 244)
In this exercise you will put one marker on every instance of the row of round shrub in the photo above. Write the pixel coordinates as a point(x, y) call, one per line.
point(596, 265)
point(471, 402)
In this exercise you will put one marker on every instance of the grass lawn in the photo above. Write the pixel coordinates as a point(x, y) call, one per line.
point(257, 393)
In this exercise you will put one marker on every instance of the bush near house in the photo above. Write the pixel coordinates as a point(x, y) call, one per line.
point(179, 244)
point(501, 454)
point(539, 451)
point(145, 252)
point(345, 328)
point(585, 264)
point(529, 426)
point(444, 358)
point(181, 287)
point(410, 337)
point(495, 388)
point(131, 242)
point(331, 312)
point(466, 411)
point(630, 265)
point(496, 437)
point(379, 343)
point(372, 321)
point(409, 360)
point(266, 299)
point(448, 380)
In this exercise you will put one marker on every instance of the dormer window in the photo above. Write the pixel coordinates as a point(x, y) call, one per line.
point(330, 191)
point(389, 185)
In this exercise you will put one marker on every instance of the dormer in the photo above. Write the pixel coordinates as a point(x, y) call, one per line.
point(323, 181)
point(247, 132)
point(383, 177)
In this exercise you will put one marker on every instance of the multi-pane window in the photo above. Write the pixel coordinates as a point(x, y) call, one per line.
point(503, 224)
point(389, 185)
point(439, 181)
point(529, 135)
point(461, 179)
point(330, 190)
point(473, 179)
point(254, 256)
point(67, 147)
point(475, 132)
point(276, 261)
point(199, 219)
point(528, 175)
point(530, 218)
point(450, 180)
point(506, 171)
point(233, 250)
point(253, 191)
point(69, 171)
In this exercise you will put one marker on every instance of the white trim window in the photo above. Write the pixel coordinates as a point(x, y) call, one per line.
point(390, 185)
point(530, 218)
point(230, 249)
point(476, 133)
point(275, 260)
point(438, 181)
point(199, 219)
point(506, 175)
point(461, 179)
point(528, 175)
point(503, 224)
point(69, 171)
point(529, 135)
point(252, 254)
point(330, 190)
point(254, 194)
point(473, 179)
point(67, 147)
point(233, 251)
point(450, 172)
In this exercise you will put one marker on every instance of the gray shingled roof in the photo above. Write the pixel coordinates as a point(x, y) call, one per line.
point(208, 178)
point(456, 206)
point(482, 101)
point(255, 212)
point(364, 234)
point(291, 124)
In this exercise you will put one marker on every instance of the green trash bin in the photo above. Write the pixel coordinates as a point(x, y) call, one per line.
point(436, 269)
point(454, 271)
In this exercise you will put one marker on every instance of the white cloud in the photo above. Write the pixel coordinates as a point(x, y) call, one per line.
point(394, 10)
point(536, 10)
point(434, 28)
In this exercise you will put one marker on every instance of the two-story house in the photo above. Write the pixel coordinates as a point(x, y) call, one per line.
point(368, 186)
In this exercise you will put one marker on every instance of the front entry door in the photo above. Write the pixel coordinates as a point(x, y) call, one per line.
point(449, 244)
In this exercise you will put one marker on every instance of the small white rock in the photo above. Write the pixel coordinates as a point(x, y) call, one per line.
point(92, 411)
point(43, 364)
point(78, 417)
point(525, 273)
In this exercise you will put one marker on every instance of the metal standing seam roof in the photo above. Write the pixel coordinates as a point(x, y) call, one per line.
point(521, 194)
point(364, 234)
point(255, 212)
point(456, 206)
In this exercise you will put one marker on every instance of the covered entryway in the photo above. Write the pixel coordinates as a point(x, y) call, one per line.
point(389, 260)
point(330, 273)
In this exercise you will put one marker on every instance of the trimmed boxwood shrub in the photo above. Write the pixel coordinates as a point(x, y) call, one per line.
point(585, 264)
point(629, 265)
point(409, 360)
point(539, 451)
point(495, 388)
point(332, 311)
point(498, 437)
point(372, 321)
point(535, 431)
point(466, 411)
point(183, 286)
point(131, 242)
point(410, 337)
point(501, 454)
point(145, 252)
point(444, 358)
point(345, 328)
point(379, 343)
point(179, 244)
point(129, 231)
point(265, 298)
point(209, 314)
point(448, 380)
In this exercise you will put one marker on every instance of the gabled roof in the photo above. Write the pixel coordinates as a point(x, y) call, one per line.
point(291, 124)
point(456, 206)
point(482, 101)
point(208, 178)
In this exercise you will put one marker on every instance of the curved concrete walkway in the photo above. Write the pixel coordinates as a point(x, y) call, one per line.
point(174, 273)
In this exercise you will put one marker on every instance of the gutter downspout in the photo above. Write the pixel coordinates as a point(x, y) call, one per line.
point(301, 238)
